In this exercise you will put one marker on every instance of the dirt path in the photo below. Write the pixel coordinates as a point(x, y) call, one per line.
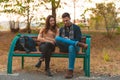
point(56, 76)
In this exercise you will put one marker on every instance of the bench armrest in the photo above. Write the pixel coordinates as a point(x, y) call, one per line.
point(88, 41)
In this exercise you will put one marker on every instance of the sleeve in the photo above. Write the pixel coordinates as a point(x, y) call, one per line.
point(40, 35)
point(57, 34)
point(60, 32)
point(78, 34)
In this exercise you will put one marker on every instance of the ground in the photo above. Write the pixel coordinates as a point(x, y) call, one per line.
point(105, 59)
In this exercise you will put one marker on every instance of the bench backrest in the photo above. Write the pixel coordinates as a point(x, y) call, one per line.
point(85, 38)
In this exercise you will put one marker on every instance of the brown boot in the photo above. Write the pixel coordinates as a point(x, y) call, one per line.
point(83, 45)
point(69, 74)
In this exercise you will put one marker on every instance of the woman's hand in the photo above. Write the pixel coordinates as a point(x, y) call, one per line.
point(47, 39)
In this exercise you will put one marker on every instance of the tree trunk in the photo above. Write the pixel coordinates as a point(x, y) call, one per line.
point(14, 26)
point(53, 8)
point(54, 12)
point(28, 21)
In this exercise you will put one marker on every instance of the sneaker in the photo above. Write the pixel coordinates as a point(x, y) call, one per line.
point(69, 74)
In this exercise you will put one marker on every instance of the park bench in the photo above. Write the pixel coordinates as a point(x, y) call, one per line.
point(85, 53)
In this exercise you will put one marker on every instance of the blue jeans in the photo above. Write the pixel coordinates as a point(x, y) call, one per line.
point(67, 45)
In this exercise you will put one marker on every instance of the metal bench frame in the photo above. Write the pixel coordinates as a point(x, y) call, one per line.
point(85, 54)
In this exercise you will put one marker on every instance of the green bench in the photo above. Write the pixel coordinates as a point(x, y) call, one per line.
point(85, 54)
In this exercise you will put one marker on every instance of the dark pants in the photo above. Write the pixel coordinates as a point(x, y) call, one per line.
point(46, 48)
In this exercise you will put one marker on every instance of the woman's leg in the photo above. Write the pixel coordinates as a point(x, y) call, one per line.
point(47, 61)
point(51, 48)
point(47, 64)
point(42, 48)
point(40, 60)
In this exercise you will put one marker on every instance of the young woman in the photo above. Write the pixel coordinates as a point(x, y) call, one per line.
point(47, 46)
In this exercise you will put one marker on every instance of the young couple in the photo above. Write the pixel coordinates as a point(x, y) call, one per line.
point(67, 38)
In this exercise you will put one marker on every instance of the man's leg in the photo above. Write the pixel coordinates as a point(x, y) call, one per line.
point(70, 42)
point(72, 55)
point(62, 46)
point(66, 41)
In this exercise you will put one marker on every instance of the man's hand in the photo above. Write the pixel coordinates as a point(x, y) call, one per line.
point(66, 37)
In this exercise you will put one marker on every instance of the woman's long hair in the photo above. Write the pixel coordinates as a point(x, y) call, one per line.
point(47, 25)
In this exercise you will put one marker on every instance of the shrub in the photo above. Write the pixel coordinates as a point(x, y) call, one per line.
point(106, 56)
point(118, 29)
point(81, 25)
point(60, 24)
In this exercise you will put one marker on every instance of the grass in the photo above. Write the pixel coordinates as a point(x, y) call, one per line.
point(105, 57)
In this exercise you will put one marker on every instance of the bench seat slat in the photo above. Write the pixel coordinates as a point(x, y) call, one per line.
point(38, 52)
point(53, 55)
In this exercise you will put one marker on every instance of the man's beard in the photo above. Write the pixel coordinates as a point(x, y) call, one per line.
point(68, 25)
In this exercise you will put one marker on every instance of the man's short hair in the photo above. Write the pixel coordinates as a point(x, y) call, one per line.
point(65, 15)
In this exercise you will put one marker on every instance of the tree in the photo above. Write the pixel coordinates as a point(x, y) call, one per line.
point(54, 4)
point(21, 8)
point(13, 26)
point(13, 8)
point(3, 1)
point(107, 13)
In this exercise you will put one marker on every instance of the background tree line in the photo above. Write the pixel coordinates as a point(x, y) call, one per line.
point(103, 16)
point(23, 8)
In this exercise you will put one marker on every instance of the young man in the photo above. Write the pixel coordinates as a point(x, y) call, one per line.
point(69, 41)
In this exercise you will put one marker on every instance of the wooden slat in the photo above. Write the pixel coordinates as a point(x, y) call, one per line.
point(38, 52)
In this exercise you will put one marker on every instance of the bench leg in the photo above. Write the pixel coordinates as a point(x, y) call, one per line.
point(88, 72)
point(22, 61)
point(9, 65)
point(84, 64)
point(87, 66)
